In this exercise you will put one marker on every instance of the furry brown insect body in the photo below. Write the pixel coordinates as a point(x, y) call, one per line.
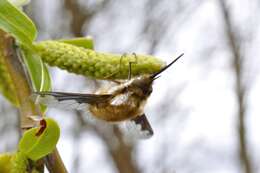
point(126, 102)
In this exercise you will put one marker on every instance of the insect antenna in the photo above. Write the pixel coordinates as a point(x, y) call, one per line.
point(164, 68)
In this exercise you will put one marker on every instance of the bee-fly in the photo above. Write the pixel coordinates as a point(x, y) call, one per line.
point(124, 101)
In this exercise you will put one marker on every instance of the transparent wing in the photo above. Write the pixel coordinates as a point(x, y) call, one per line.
point(139, 127)
point(120, 99)
point(68, 100)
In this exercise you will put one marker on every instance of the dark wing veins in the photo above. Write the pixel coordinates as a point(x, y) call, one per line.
point(69, 100)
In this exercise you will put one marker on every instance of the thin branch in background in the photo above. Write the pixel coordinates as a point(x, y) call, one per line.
point(81, 17)
point(77, 131)
point(120, 151)
point(78, 16)
point(240, 90)
point(122, 154)
point(157, 27)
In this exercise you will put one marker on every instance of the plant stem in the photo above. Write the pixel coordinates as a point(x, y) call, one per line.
point(18, 76)
point(23, 91)
point(54, 163)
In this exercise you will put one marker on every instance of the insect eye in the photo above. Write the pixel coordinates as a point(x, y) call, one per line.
point(144, 85)
point(150, 90)
point(147, 91)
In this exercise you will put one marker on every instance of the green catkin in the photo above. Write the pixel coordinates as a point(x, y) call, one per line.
point(95, 64)
point(6, 83)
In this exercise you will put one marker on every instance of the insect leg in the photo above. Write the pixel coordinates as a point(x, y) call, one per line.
point(117, 81)
point(120, 66)
point(119, 70)
point(130, 66)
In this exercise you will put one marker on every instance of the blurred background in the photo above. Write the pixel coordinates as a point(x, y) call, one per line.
point(204, 110)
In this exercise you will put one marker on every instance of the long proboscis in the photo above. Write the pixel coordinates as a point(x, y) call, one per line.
point(153, 76)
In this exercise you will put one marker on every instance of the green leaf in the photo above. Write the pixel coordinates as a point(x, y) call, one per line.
point(15, 22)
point(47, 78)
point(36, 146)
point(19, 3)
point(38, 71)
point(85, 42)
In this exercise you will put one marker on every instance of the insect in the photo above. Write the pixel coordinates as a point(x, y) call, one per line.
point(123, 102)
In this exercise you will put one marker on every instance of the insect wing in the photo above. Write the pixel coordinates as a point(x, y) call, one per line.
point(64, 100)
point(138, 127)
point(120, 99)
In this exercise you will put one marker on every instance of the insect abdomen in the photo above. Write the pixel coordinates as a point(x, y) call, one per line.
point(113, 113)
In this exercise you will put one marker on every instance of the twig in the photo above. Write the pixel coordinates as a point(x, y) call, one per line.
point(54, 163)
point(240, 90)
point(18, 77)
point(120, 151)
point(23, 91)
point(80, 17)
point(122, 155)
